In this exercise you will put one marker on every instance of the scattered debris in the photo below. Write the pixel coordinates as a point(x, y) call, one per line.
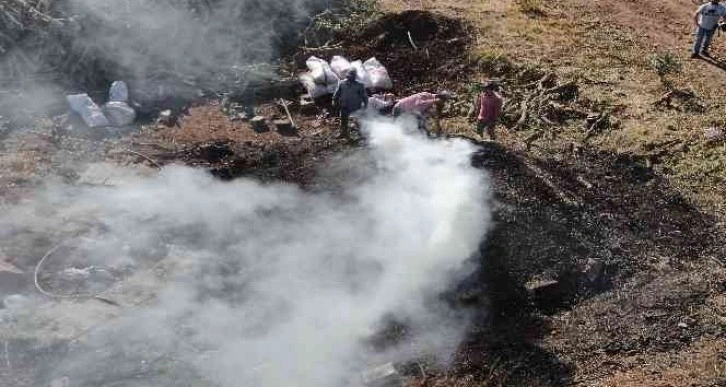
point(686, 99)
point(714, 134)
point(385, 375)
point(596, 122)
point(119, 113)
point(259, 124)
point(91, 114)
point(550, 295)
point(166, 118)
point(145, 157)
point(289, 116)
point(306, 106)
point(15, 301)
point(410, 40)
point(6, 266)
point(285, 127)
point(117, 110)
point(118, 92)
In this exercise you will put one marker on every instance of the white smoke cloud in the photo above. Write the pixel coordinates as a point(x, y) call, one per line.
point(162, 48)
point(145, 36)
point(282, 287)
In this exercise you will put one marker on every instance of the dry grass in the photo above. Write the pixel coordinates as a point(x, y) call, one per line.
point(532, 7)
point(613, 61)
point(703, 364)
point(608, 48)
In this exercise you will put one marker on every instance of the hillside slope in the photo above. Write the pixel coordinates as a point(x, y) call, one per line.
point(664, 323)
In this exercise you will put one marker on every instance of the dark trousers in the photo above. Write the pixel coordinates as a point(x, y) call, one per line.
point(486, 126)
point(345, 122)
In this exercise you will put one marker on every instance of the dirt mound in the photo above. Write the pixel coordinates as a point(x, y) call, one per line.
point(433, 57)
point(425, 28)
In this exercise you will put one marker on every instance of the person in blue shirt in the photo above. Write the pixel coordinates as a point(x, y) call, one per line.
point(706, 19)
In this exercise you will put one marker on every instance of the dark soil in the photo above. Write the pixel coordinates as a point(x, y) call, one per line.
point(557, 219)
point(438, 61)
point(626, 254)
point(589, 221)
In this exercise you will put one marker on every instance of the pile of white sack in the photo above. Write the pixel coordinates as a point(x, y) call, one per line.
point(116, 112)
point(323, 77)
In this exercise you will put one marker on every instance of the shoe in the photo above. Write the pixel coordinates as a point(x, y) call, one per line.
point(706, 54)
point(695, 56)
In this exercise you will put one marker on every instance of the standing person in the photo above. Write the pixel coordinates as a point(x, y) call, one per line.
point(706, 19)
point(350, 96)
point(488, 107)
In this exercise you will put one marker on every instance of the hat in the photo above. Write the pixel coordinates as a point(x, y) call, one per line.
point(490, 85)
point(446, 95)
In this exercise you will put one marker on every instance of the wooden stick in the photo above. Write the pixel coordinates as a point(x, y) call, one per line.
point(284, 105)
point(559, 88)
point(56, 295)
point(145, 157)
point(37, 270)
point(523, 114)
point(410, 40)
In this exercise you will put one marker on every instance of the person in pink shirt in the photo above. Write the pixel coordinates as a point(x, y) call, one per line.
point(488, 108)
point(420, 105)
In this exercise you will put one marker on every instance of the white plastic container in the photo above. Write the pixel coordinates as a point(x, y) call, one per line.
point(88, 110)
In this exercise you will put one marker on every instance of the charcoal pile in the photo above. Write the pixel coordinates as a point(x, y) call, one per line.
point(420, 49)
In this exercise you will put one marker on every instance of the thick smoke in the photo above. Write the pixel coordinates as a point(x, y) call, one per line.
point(266, 284)
point(192, 39)
point(163, 48)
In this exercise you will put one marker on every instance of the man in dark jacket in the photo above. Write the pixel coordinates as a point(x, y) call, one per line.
point(349, 97)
